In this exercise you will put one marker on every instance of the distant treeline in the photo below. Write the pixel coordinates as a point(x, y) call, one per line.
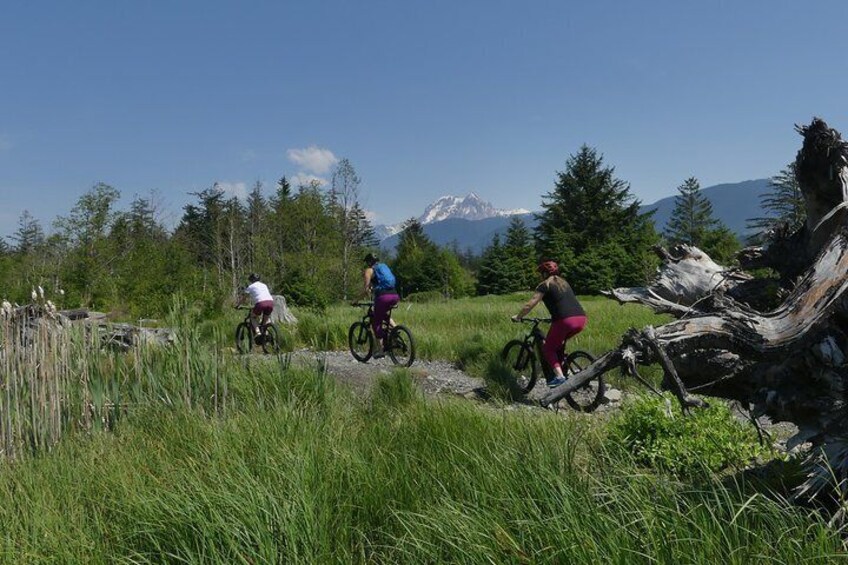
point(308, 243)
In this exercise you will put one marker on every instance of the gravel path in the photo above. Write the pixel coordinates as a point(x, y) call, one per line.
point(442, 377)
point(434, 377)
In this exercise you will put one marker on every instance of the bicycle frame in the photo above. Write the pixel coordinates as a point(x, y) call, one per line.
point(368, 318)
point(535, 339)
point(248, 319)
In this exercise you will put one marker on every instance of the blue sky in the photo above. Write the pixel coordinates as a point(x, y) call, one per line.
point(424, 98)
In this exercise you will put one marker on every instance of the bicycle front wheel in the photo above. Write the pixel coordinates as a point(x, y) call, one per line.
point(591, 394)
point(361, 341)
point(244, 338)
point(271, 341)
point(521, 362)
point(401, 346)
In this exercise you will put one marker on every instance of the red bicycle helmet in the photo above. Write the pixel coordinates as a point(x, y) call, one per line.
point(548, 268)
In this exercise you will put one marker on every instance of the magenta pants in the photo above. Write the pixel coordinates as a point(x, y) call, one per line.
point(382, 305)
point(561, 330)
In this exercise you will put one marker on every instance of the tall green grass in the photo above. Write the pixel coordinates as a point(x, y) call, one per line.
point(192, 454)
point(301, 471)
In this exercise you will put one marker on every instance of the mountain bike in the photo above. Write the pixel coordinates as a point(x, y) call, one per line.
point(399, 345)
point(246, 335)
point(524, 356)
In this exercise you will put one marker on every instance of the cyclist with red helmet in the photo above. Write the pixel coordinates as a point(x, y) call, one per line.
point(567, 316)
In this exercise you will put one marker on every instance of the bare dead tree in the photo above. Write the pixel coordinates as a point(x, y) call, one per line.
point(779, 346)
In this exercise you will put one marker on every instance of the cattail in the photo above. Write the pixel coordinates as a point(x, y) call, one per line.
point(34, 295)
point(41, 292)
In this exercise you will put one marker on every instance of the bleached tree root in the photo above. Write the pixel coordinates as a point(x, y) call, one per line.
point(790, 362)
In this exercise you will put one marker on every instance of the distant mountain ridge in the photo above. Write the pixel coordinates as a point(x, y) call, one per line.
point(733, 204)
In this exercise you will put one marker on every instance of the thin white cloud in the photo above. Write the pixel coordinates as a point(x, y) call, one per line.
point(5, 142)
point(237, 189)
point(305, 179)
point(371, 216)
point(313, 159)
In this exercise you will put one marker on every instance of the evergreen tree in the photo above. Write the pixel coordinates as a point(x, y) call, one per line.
point(280, 229)
point(492, 274)
point(692, 216)
point(520, 256)
point(421, 266)
point(783, 204)
point(311, 252)
point(411, 253)
point(588, 213)
point(257, 229)
point(721, 245)
point(200, 228)
point(29, 235)
point(692, 223)
point(283, 189)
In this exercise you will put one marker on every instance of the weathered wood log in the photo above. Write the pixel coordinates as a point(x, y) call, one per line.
point(27, 319)
point(787, 362)
point(686, 277)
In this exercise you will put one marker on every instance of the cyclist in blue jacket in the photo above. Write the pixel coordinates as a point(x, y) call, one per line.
point(380, 281)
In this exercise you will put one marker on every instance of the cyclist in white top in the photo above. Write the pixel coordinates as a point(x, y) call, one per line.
point(263, 302)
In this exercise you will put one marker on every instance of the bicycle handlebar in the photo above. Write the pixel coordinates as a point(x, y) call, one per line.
point(533, 320)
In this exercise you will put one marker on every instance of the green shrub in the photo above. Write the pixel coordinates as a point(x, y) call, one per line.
point(708, 439)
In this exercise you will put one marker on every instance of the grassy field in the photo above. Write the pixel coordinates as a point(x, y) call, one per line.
point(214, 458)
point(466, 331)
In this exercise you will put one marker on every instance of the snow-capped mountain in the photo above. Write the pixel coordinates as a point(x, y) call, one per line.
point(470, 207)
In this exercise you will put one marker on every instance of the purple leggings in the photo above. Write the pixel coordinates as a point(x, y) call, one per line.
point(560, 331)
point(382, 305)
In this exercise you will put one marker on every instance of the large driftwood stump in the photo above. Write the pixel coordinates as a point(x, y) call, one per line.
point(790, 361)
point(281, 313)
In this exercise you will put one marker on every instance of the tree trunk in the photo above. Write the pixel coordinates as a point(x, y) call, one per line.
point(790, 361)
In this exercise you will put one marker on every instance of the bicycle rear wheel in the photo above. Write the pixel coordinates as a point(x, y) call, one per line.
point(521, 361)
point(361, 341)
point(591, 394)
point(271, 340)
point(244, 338)
point(401, 346)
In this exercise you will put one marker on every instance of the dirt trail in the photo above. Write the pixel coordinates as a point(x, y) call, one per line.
point(442, 377)
point(433, 377)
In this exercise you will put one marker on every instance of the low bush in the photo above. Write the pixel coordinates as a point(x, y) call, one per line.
point(660, 436)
